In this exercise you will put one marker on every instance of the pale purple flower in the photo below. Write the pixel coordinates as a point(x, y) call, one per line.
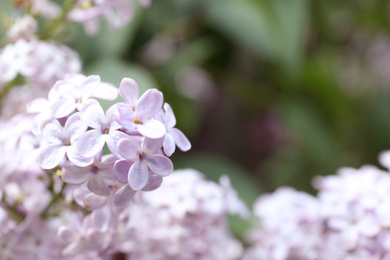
point(125, 193)
point(146, 156)
point(76, 89)
point(61, 141)
point(42, 108)
point(138, 114)
point(24, 27)
point(93, 233)
point(117, 13)
point(173, 135)
point(17, 59)
point(95, 174)
point(178, 221)
point(40, 62)
point(105, 129)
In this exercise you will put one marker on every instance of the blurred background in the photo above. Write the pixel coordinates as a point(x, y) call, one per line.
point(269, 92)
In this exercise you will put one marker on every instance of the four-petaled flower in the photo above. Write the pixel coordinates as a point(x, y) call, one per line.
point(146, 156)
point(61, 141)
point(138, 114)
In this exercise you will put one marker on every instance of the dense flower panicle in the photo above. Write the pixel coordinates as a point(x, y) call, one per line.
point(290, 226)
point(40, 62)
point(184, 219)
point(349, 219)
point(75, 129)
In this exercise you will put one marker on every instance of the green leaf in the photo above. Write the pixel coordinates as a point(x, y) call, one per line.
point(274, 29)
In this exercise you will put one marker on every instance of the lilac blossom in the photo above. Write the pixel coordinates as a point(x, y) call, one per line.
point(40, 62)
point(173, 135)
point(125, 193)
point(76, 89)
point(95, 174)
point(137, 114)
point(61, 141)
point(184, 219)
point(348, 219)
point(117, 13)
point(146, 155)
point(24, 27)
point(104, 130)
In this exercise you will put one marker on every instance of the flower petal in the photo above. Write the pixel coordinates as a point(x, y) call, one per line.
point(123, 195)
point(74, 127)
point(53, 131)
point(169, 144)
point(91, 143)
point(106, 91)
point(125, 116)
point(93, 115)
point(159, 164)
point(129, 91)
point(121, 170)
point(138, 175)
point(180, 139)
point(170, 116)
point(149, 104)
point(97, 186)
point(93, 201)
point(129, 148)
point(63, 107)
point(51, 155)
point(74, 174)
point(154, 182)
point(152, 145)
point(113, 141)
point(152, 128)
point(75, 158)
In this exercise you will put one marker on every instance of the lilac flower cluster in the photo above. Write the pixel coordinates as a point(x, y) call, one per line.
point(191, 223)
point(349, 218)
point(88, 12)
point(39, 63)
point(75, 129)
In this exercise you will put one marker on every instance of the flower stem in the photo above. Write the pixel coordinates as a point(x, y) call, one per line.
point(54, 200)
point(57, 25)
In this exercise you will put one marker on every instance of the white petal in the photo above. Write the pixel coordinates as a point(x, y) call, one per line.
point(152, 128)
point(51, 155)
point(93, 115)
point(63, 107)
point(74, 127)
point(53, 131)
point(91, 143)
point(106, 91)
point(77, 159)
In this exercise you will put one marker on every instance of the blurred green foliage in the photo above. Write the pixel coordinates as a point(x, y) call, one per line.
point(270, 92)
